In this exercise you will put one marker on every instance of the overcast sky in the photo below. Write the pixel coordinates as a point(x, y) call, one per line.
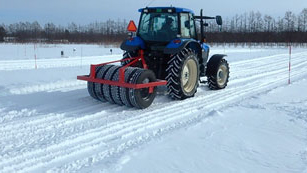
point(87, 11)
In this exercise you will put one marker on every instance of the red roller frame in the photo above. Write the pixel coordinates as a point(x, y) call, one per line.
point(121, 82)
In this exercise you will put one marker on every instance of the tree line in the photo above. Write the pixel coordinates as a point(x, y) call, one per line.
point(255, 27)
point(246, 27)
point(107, 32)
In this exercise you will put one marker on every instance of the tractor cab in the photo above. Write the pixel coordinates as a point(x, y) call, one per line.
point(168, 30)
point(166, 24)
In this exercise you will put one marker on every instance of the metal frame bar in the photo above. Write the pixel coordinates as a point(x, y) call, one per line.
point(121, 82)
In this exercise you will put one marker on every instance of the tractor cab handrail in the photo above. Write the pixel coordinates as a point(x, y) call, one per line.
point(204, 17)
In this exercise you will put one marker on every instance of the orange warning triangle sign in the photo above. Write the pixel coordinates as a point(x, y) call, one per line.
point(131, 26)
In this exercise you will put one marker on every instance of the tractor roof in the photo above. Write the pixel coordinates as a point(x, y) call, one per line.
point(161, 9)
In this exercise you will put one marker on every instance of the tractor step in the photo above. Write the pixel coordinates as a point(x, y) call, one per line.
point(203, 81)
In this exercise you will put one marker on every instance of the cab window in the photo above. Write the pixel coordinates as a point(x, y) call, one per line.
point(185, 25)
point(158, 26)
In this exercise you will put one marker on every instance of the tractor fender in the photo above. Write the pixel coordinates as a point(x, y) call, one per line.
point(213, 63)
point(177, 45)
point(205, 47)
point(132, 44)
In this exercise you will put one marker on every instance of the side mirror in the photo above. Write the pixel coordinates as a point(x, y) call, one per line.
point(219, 20)
point(187, 24)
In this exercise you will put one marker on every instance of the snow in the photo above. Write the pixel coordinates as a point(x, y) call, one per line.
point(49, 123)
point(10, 51)
point(265, 133)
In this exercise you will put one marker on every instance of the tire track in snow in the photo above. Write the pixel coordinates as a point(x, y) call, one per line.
point(143, 121)
point(10, 128)
point(235, 81)
point(49, 87)
point(192, 120)
point(247, 64)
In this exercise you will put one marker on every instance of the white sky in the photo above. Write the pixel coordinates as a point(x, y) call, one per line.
point(87, 11)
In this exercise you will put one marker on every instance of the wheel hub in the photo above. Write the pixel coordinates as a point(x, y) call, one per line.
point(186, 75)
point(145, 91)
point(189, 75)
point(222, 75)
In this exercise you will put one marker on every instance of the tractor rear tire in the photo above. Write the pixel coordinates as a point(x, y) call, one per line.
point(98, 86)
point(183, 75)
point(107, 88)
point(124, 92)
point(218, 74)
point(91, 86)
point(128, 55)
point(141, 98)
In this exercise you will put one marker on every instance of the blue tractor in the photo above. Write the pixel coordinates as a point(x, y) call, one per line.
point(174, 51)
point(166, 49)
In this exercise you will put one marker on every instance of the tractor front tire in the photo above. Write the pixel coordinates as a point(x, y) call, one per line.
point(218, 73)
point(183, 75)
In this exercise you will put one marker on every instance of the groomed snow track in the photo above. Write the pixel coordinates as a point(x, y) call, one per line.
point(84, 134)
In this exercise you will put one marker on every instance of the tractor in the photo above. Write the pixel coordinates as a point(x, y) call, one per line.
point(166, 49)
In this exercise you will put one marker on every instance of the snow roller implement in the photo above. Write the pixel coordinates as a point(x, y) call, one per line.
point(164, 50)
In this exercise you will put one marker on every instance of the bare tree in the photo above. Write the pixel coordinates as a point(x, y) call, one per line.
point(303, 18)
point(50, 29)
point(72, 27)
point(252, 22)
point(2, 33)
point(290, 21)
point(268, 23)
point(243, 24)
point(280, 25)
point(258, 22)
point(36, 29)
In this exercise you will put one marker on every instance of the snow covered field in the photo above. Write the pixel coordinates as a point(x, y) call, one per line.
point(49, 123)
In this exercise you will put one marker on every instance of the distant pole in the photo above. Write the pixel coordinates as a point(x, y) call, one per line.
point(35, 56)
point(290, 51)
